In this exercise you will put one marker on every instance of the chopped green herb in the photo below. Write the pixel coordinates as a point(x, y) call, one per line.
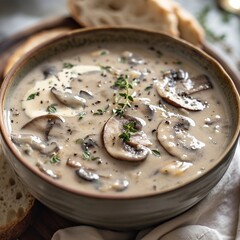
point(89, 156)
point(68, 65)
point(32, 96)
point(100, 111)
point(106, 68)
point(55, 159)
point(149, 87)
point(103, 52)
point(79, 141)
point(52, 108)
point(125, 136)
point(122, 59)
point(156, 152)
point(177, 62)
point(81, 115)
point(129, 128)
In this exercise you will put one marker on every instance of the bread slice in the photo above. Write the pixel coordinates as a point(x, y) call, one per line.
point(30, 43)
point(15, 203)
point(151, 14)
point(189, 28)
point(161, 15)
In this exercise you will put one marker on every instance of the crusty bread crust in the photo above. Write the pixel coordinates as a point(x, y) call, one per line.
point(151, 14)
point(161, 15)
point(189, 27)
point(16, 203)
point(30, 43)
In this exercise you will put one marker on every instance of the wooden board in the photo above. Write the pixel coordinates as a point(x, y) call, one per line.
point(44, 221)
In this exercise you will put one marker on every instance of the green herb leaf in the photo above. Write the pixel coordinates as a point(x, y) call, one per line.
point(125, 136)
point(156, 152)
point(101, 111)
point(106, 68)
point(55, 159)
point(32, 96)
point(52, 108)
point(81, 115)
point(129, 128)
point(148, 88)
point(89, 156)
point(103, 52)
point(68, 65)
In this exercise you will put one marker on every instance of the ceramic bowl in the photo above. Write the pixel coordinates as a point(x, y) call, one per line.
point(118, 212)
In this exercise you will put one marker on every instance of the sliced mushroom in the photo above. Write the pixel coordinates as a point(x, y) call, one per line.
point(68, 98)
point(120, 185)
point(49, 71)
point(144, 105)
point(176, 168)
point(72, 163)
point(117, 185)
point(87, 175)
point(88, 142)
point(196, 84)
point(35, 143)
point(131, 59)
point(48, 172)
point(175, 87)
point(173, 135)
point(136, 149)
point(42, 125)
point(85, 94)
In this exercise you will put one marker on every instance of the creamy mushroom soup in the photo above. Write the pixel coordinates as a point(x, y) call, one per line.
point(126, 119)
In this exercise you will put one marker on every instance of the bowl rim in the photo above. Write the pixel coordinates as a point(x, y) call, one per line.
point(6, 84)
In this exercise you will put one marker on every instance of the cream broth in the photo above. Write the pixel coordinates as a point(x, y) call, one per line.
point(124, 119)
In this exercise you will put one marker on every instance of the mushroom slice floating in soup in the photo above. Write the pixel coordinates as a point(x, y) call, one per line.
point(86, 174)
point(68, 99)
point(48, 172)
point(173, 135)
point(175, 168)
point(42, 125)
point(131, 59)
point(175, 87)
point(35, 143)
point(124, 139)
point(49, 71)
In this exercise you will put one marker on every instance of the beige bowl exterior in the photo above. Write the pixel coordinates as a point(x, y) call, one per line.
point(118, 212)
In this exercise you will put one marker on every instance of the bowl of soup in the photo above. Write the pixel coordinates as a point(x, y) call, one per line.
point(119, 128)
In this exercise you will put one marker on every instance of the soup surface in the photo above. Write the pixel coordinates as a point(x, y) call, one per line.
point(126, 119)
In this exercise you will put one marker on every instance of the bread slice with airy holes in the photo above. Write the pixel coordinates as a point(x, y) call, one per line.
point(161, 15)
point(30, 43)
point(136, 13)
point(15, 203)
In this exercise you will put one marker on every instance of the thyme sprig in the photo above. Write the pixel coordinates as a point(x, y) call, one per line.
point(128, 130)
point(124, 98)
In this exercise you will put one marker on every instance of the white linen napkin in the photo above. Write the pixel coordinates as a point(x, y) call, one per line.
point(216, 217)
